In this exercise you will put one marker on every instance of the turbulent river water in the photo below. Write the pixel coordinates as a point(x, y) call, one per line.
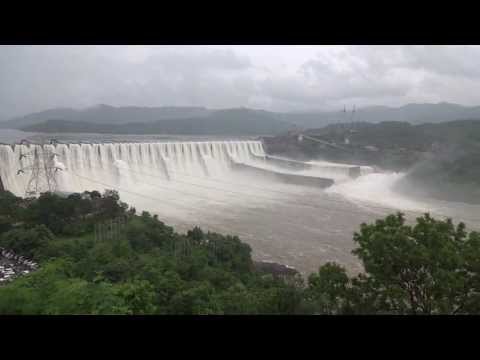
point(189, 181)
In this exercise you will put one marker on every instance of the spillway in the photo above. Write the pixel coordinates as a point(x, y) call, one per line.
point(116, 164)
point(99, 166)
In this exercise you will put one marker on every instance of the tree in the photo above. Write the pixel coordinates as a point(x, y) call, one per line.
point(139, 297)
point(197, 299)
point(111, 206)
point(196, 234)
point(430, 268)
point(27, 242)
point(19, 300)
point(51, 210)
point(11, 210)
point(237, 299)
point(327, 291)
point(230, 252)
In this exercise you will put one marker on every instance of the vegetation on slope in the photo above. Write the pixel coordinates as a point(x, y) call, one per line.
point(432, 267)
point(148, 269)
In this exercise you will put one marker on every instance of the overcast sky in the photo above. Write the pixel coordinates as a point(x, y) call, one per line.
point(277, 78)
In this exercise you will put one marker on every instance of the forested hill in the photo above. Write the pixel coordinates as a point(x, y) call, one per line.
point(241, 120)
point(105, 114)
point(227, 122)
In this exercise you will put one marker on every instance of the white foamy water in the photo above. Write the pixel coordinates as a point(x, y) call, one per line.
point(377, 188)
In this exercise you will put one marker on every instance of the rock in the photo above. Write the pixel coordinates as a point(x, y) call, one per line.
point(275, 269)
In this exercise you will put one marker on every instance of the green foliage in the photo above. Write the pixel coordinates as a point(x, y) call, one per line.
point(431, 267)
point(196, 299)
point(327, 291)
point(139, 296)
point(30, 242)
point(72, 215)
point(148, 269)
point(10, 210)
point(419, 269)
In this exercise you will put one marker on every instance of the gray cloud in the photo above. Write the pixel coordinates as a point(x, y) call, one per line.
point(293, 78)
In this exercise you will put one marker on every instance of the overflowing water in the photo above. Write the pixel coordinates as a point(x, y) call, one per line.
point(193, 183)
point(377, 188)
point(165, 159)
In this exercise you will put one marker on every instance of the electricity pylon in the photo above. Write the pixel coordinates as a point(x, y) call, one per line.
point(42, 168)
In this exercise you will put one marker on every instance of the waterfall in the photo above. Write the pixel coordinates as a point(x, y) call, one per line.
point(125, 164)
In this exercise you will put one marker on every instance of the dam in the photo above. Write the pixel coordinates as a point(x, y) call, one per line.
point(300, 214)
point(116, 164)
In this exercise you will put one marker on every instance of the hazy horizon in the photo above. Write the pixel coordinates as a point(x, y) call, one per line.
point(349, 108)
point(273, 78)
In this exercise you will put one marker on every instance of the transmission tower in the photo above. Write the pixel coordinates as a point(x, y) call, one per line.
point(352, 118)
point(40, 164)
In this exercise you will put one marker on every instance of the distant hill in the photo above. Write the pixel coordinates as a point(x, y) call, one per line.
point(105, 114)
point(412, 113)
point(223, 122)
point(183, 120)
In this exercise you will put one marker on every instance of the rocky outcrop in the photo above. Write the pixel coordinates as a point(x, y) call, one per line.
point(12, 266)
point(275, 269)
